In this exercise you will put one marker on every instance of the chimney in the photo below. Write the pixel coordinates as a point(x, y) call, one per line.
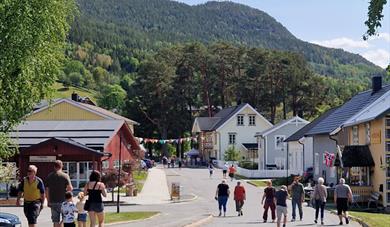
point(376, 84)
point(75, 97)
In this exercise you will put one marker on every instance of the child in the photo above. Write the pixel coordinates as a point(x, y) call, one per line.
point(67, 209)
point(281, 205)
point(82, 214)
point(211, 169)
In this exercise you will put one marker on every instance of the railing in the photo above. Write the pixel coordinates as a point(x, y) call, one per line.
point(362, 193)
point(266, 173)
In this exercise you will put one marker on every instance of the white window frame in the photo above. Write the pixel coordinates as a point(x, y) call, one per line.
point(368, 132)
point(105, 164)
point(355, 135)
point(240, 120)
point(252, 120)
point(116, 164)
point(232, 138)
point(316, 164)
point(277, 144)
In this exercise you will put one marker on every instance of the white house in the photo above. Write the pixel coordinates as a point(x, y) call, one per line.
point(230, 127)
point(275, 153)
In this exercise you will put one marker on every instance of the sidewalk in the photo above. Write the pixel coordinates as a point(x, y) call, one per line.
point(154, 191)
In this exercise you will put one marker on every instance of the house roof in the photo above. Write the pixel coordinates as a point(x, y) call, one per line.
point(357, 156)
point(219, 119)
point(281, 124)
point(302, 132)
point(88, 133)
point(346, 111)
point(44, 104)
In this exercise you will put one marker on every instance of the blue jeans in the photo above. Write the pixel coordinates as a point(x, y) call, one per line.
point(320, 204)
point(297, 202)
point(222, 200)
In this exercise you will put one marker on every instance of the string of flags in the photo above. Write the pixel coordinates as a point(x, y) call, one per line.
point(329, 159)
point(163, 141)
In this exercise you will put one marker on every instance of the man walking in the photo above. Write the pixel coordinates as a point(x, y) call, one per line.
point(222, 195)
point(239, 197)
point(342, 195)
point(297, 198)
point(268, 196)
point(224, 170)
point(281, 205)
point(33, 191)
point(57, 183)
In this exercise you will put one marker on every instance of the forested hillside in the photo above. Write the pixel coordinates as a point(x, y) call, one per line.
point(149, 24)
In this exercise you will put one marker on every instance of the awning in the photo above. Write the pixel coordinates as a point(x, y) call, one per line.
point(192, 152)
point(357, 156)
point(250, 146)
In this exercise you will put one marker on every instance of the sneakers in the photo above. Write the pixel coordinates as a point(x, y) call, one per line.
point(224, 214)
point(315, 221)
point(239, 213)
point(220, 214)
point(341, 223)
point(264, 221)
point(322, 222)
point(292, 220)
point(284, 225)
point(242, 213)
point(347, 220)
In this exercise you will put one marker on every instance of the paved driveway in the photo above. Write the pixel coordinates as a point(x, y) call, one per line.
point(197, 181)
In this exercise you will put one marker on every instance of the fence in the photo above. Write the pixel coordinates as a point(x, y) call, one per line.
point(266, 173)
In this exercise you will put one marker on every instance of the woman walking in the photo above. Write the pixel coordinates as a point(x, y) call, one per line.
point(94, 205)
point(319, 196)
point(222, 195)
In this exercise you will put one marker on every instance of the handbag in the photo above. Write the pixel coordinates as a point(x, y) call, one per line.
point(87, 205)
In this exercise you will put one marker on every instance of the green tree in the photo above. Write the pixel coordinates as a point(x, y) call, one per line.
point(232, 154)
point(375, 15)
point(32, 36)
point(112, 97)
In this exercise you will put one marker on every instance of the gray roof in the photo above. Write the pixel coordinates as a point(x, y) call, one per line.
point(212, 123)
point(302, 132)
point(88, 133)
point(272, 128)
point(344, 112)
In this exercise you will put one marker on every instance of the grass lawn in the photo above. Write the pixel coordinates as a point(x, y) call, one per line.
point(139, 179)
point(113, 217)
point(372, 219)
point(259, 183)
point(62, 92)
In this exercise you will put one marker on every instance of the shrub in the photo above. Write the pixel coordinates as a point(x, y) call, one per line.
point(248, 165)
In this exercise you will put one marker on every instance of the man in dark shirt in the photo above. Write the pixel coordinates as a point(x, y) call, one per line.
point(268, 196)
point(281, 205)
point(222, 195)
point(57, 183)
point(297, 197)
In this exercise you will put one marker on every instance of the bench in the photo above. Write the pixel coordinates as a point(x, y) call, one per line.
point(374, 198)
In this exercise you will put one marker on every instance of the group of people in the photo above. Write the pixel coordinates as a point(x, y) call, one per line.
point(170, 162)
point(276, 201)
point(232, 170)
point(57, 190)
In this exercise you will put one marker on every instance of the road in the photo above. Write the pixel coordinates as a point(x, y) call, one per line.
point(197, 181)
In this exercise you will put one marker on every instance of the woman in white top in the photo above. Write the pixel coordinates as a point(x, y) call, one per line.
point(319, 196)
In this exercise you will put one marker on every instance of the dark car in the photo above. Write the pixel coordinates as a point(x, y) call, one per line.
point(308, 175)
point(9, 220)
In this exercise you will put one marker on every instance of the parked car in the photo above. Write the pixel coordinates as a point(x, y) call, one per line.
point(308, 175)
point(9, 220)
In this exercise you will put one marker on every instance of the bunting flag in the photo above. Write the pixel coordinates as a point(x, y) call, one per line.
point(164, 141)
point(329, 159)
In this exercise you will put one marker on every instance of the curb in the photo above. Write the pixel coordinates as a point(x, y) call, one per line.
point(358, 220)
point(195, 197)
point(127, 222)
point(200, 222)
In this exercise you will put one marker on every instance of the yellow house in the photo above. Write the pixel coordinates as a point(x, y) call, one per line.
point(71, 110)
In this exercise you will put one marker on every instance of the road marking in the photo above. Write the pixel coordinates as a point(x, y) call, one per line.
point(200, 222)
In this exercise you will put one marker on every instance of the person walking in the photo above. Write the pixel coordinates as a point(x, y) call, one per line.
point(68, 209)
point(297, 198)
point(232, 171)
point(211, 169)
point(33, 191)
point(222, 196)
point(281, 205)
point(57, 183)
point(81, 213)
point(342, 196)
point(180, 163)
point(268, 201)
point(319, 195)
point(94, 205)
point(224, 170)
point(239, 197)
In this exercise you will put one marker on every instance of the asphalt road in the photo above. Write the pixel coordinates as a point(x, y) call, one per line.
point(197, 181)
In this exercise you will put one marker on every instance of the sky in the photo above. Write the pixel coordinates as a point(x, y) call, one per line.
point(330, 23)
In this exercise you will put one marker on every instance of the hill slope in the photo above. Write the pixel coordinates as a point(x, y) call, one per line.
point(146, 24)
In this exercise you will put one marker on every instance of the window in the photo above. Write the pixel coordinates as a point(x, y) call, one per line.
point(368, 133)
point(105, 164)
point(279, 144)
point(355, 135)
point(252, 120)
point(116, 164)
point(240, 120)
point(232, 138)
